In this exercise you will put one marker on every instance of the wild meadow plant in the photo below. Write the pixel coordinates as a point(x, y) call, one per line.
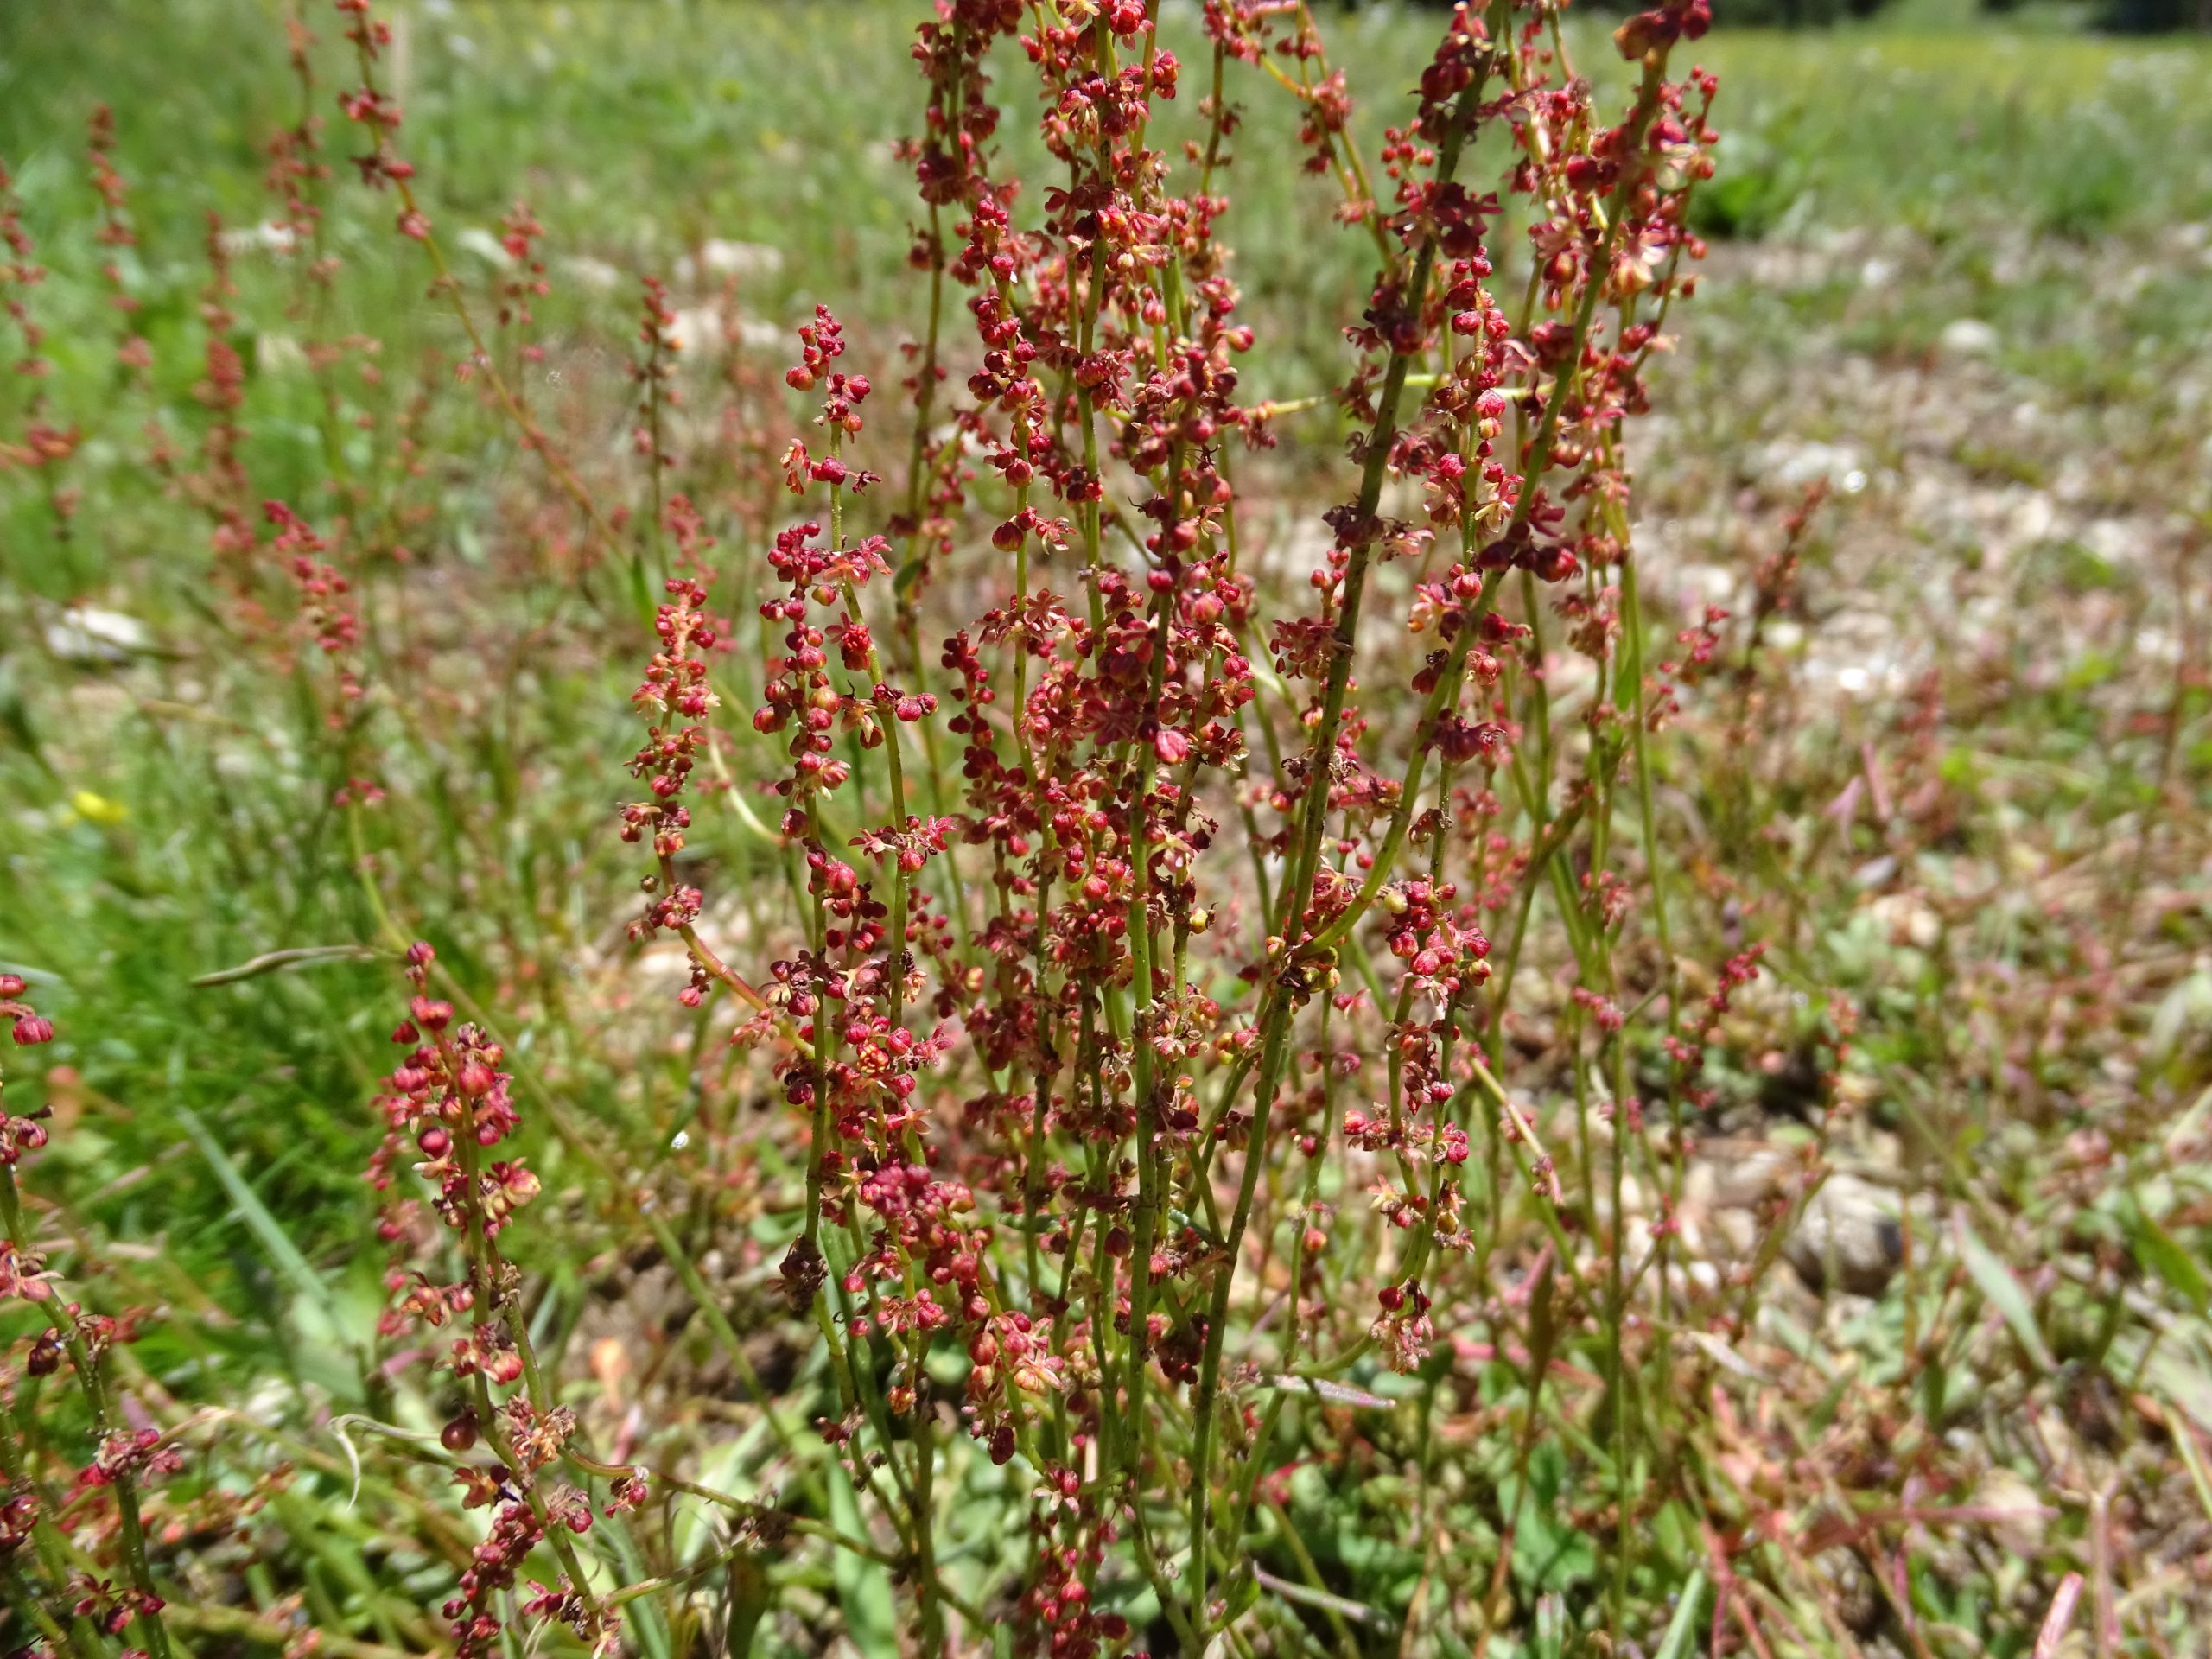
point(1220, 1001)
point(1020, 1134)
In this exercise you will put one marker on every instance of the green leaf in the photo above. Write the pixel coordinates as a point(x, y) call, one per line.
point(2178, 1369)
point(16, 719)
point(644, 1620)
point(1242, 1594)
point(863, 1586)
point(1676, 1642)
point(749, 1596)
point(2004, 1292)
point(1357, 1611)
point(262, 1225)
point(722, 1469)
point(2185, 1443)
point(1550, 1640)
point(1550, 1555)
point(2164, 1256)
point(1334, 1393)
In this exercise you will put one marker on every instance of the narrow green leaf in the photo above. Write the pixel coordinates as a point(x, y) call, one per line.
point(262, 1225)
point(1336, 1394)
point(646, 1619)
point(1242, 1594)
point(1358, 1611)
point(1551, 1626)
point(2185, 1437)
point(723, 1469)
point(863, 1586)
point(1676, 1642)
point(749, 1596)
point(2163, 1257)
point(2178, 1369)
point(2005, 1291)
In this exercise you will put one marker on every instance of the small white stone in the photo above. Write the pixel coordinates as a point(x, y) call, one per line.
point(595, 274)
point(276, 353)
point(258, 239)
point(695, 329)
point(1970, 337)
point(1850, 1227)
point(485, 246)
point(718, 257)
point(87, 634)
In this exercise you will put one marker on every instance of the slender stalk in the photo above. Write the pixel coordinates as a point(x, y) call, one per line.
point(1298, 882)
point(93, 1383)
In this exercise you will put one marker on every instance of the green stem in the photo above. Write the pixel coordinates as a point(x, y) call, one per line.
point(1297, 889)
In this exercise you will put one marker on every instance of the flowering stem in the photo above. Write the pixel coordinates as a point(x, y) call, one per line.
point(93, 1384)
point(1298, 884)
point(445, 282)
point(491, 1274)
point(78, 1635)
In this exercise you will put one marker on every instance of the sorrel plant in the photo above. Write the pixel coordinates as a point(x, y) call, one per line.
point(1165, 906)
point(1070, 1134)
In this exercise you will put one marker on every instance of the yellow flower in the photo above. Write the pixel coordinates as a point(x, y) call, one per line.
point(97, 808)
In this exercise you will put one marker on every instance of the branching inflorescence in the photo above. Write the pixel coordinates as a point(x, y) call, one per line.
point(1072, 1062)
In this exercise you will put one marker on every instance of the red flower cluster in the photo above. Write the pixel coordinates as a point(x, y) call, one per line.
point(326, 608)
point(451, 1099)
point(28, 1028)
point(1111, 1044)
point(1198, 914)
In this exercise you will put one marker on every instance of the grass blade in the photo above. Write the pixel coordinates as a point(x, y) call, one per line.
point(264, 1226)
point(2161, 1256)
point(2003, 1291)
point(1676, 1642)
